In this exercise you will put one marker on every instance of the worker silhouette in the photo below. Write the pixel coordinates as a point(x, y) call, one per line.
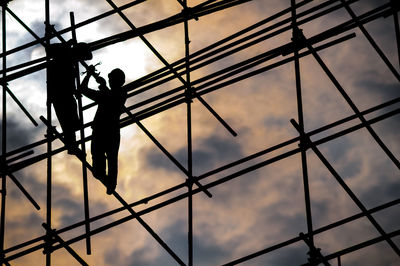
point(106, 133)
point(61, 82)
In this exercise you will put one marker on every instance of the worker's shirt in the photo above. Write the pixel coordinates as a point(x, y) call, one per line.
point(110, 106)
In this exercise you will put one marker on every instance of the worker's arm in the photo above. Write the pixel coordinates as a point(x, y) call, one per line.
point(83, 88)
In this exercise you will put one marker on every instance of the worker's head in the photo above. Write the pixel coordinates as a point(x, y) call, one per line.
point(116, 78)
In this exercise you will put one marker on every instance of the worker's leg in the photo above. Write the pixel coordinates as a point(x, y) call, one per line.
point(98, 156)
point(112, 159)
point(67, 116)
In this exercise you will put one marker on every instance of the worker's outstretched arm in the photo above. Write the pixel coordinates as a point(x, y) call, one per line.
point(83, 88)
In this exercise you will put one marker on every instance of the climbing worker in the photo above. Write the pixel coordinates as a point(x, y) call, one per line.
point(61, 82)
point(106, 133)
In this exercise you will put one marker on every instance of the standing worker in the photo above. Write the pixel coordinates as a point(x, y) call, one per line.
point(106, 133)
point(61, 82)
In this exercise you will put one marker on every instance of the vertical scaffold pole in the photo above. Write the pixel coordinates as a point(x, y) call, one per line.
point(49, 147)
point(301, 123)
point(396, 26)
point(83, 147)
point(188, 92)
point(4, 135)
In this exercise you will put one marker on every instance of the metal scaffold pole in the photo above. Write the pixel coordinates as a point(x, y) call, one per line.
point(49, 145)
point(303, 153)
point(188, 93)
point(83, 146)
point(395, 7)
point(4, 136)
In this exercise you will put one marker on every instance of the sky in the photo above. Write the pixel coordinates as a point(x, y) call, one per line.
point(248, 213)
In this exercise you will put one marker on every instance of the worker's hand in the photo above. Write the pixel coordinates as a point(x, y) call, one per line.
point(101, 81)
point(91, 70)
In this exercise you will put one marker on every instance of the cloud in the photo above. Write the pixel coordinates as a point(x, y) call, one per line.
point(19, 133)
point(210, 150)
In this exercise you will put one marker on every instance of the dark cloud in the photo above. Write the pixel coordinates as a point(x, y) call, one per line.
point(136, 258)
point(72, 210)
point(338, 148)
point(211, 152)
point(156, 159)
point(31, 185)
point(30, 219)
point(293, 255)
point(209, 254)
point(38, 27)
point(145, 257)
point(176, 237)
point(203, 253)
point(377, 89)
point(17, 134)
point(387, 188)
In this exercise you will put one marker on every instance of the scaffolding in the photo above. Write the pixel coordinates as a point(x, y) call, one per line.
point(289, 20)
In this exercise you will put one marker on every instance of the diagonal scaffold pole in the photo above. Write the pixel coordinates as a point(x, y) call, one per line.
point(5, 69)
point(371, 40)
point(24, 191)
point(5, 163)
point(21, 106)
point(339, 179)
point(43, 43)
point(348, 99)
